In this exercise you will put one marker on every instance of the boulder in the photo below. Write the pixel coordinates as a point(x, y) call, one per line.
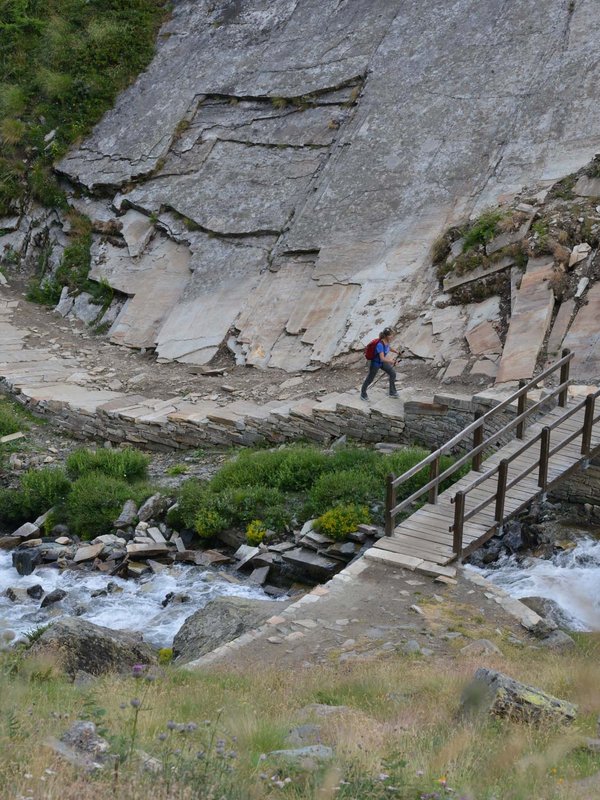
point(80, 645)
point(220, 621)
point(37, 591)
point(27, 531)
point(25, 561)
point(501, 696)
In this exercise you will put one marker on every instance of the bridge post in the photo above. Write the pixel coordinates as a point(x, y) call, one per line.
point(522, 402)
point(501, 493)
point(588, 424)
point(434, 472)
point(390, 502)
point(564, 377)
point(459, 521)
point(544, 458)
point(477, 440)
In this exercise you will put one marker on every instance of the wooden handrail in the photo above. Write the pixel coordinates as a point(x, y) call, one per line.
point(464, 459)
point(451, 443)
point(480, 442)
point(542, 463)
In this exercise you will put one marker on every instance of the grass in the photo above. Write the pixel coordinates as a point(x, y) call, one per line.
point(400, 728)
point(62, 64)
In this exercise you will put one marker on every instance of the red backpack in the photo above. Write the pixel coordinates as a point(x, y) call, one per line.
point(371, 349)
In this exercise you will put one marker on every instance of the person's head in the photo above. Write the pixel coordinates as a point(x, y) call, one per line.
point(386, 334)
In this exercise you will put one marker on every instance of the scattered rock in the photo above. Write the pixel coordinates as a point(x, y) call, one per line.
point(80, 645)
point(481, 647)
point(127, 516)
point(36, 592)
point(154, 506)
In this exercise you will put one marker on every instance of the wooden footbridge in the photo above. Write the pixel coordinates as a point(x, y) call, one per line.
point(544, 442)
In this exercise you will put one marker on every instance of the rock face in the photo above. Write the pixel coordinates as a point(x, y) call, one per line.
point(313, 151)
point(504, 697)
point(220, 621)
point(78, 645)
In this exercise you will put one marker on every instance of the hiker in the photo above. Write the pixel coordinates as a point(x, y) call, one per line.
point(379, 354)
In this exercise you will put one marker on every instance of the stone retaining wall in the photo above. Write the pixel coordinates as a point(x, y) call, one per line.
point(167, 425)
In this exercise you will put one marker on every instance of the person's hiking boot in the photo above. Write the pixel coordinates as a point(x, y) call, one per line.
point(363, 396)
point(394, 394)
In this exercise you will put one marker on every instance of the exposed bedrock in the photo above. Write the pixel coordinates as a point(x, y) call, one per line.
point(283, 166)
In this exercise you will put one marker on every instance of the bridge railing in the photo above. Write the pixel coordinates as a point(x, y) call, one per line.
point(480, 443)
point(541, 465)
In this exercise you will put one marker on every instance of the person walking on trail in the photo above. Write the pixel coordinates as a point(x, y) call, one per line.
point(379, 354)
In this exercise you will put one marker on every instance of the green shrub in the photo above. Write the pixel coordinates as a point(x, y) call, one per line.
point(482, 230)
point(192, 497)
point(354, 458)
point(250, 468)
point(165, 656)
point(43, 489)
point(255, 532)
point(208, 523)
point(343, 488)
point(94, 502)
point(127, 465)
point(9, 422)
point(299, 468)
point(338, 522)
point(13, 508)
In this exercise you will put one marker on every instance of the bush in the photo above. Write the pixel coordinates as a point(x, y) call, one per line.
point(482, 230)
point(9, 422)
point(300, 468)
point(343, 488)
point(127, 465)
point(208, 523)
point(13, 509)
point(192, 497)
point(94, 502)
point(255, 532)
point(338, 522)
point(44, 488)
point(250, 468)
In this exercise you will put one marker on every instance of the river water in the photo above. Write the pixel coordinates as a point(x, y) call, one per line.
point(570, 578)
point(137, 607)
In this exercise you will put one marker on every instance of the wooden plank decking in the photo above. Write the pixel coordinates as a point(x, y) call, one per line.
point(426, 534)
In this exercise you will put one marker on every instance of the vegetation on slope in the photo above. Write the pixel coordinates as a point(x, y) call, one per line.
point(62, 62)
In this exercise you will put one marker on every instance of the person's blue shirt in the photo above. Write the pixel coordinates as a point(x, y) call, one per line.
point(380, 350)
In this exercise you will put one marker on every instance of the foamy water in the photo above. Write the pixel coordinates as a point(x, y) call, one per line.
point(571, 579)
point(136, 608)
